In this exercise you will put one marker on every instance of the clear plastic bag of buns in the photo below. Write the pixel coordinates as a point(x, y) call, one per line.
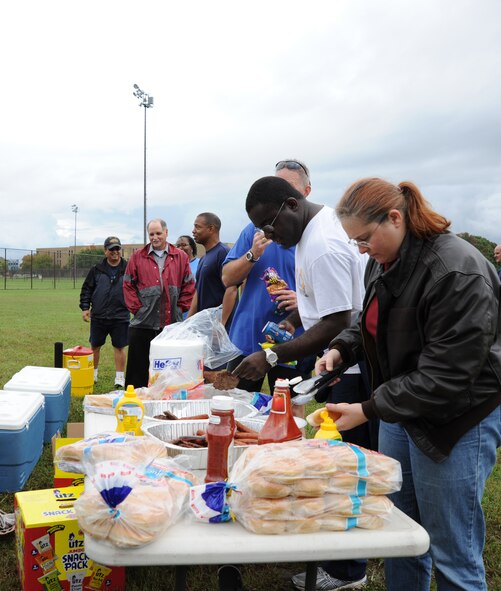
point(139, 451)
point(327, 522)
point(299, 508)
point(314, 467)
point(131, 507)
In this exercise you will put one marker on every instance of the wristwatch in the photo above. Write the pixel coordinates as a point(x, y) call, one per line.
point(271, 357)
point(250, 257)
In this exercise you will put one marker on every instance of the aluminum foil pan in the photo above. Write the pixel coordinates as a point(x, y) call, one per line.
point(189, 408)
point(167, 431)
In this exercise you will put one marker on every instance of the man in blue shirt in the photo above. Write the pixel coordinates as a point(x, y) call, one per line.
point(247, 262)
point(210, 290)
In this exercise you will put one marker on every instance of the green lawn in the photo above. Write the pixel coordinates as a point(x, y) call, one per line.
point(31, 322)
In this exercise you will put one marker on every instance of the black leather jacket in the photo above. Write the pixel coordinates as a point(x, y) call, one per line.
point(103, 294)
point(436, 360)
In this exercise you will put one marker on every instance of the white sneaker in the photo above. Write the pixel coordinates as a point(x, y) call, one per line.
point(119, 382)
point(95, 376)
point(327, 583)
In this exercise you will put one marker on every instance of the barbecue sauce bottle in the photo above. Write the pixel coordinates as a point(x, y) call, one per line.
point(280, 425)
point(220, 433)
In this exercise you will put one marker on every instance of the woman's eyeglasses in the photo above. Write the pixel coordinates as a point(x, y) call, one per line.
point(364, 243)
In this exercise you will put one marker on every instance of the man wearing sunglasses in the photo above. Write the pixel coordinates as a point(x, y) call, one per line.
point(246, 262)
point(329, 282)
point(103, 305)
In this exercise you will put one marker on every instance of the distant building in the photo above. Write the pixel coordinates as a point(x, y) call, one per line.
point(61, 255)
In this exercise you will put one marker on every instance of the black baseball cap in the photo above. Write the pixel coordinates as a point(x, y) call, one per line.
point(112, 242)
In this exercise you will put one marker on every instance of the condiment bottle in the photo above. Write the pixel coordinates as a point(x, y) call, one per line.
point(328, 429)
point(280, 425)
point(220, 433)
point(129, 411)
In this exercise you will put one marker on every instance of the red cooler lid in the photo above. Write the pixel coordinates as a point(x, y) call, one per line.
point(78, 350)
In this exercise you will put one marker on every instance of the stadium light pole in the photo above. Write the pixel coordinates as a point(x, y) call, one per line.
point(146, 101)
point(74, 209)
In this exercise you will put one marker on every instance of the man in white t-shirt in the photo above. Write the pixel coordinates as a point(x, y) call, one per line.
point(329, 285)
point(329, 271)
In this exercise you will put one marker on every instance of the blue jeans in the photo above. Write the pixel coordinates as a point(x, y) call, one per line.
point(352, 388)
point(446, 500)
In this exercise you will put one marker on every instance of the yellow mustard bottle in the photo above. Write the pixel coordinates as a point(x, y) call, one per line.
point(129, 412)
point(328, 429)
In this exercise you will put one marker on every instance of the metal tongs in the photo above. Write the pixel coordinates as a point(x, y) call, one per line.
point(316, 387)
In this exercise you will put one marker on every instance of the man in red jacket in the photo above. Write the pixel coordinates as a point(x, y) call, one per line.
point(158, 288)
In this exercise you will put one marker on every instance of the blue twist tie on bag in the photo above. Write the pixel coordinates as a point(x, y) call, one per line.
point(114, 480)
point(115, 495)
point(261, 402)
point(209, 502)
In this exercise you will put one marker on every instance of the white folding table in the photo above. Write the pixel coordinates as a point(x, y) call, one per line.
point(189, 542)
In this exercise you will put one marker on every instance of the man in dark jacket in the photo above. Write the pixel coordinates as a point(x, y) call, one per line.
point(103, 305)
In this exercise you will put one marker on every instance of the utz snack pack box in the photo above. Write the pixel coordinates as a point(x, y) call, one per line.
point(54, 384)
point(22, 424)
point(50, 546)
point(75, 432)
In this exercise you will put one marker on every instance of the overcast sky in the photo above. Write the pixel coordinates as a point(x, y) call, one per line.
point(403, 89)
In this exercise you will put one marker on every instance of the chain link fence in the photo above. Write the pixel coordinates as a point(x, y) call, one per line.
point(47, 268)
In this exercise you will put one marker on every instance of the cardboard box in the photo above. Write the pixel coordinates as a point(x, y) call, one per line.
point(75, 432)
point(50, 546)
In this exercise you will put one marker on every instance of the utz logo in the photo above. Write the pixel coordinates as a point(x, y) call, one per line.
point(60, 495)
point(167, 362)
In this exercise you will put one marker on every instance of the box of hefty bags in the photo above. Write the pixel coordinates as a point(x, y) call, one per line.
point(50, 546)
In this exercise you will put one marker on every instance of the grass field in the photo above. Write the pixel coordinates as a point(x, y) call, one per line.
point(30, 323)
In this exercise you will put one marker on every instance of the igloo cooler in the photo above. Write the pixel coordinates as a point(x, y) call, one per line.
point(55, 385)
point(22, 424)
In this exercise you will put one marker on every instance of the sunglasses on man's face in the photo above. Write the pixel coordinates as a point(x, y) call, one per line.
point(290, 165)
point(269, 229)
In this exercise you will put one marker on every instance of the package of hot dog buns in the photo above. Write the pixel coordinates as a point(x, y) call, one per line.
point(312, 485)
point(129, 504)
point(140, 451)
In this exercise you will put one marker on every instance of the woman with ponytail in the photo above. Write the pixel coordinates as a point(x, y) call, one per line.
point(430, 331)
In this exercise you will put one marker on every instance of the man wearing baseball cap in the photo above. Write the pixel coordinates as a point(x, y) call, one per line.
point(102, 303)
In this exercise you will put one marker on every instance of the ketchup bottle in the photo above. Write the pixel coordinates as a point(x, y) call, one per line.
point(280, 425)
point(220, 432)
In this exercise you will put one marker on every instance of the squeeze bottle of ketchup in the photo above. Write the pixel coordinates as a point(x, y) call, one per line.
point(280, 425)
point(220, 433)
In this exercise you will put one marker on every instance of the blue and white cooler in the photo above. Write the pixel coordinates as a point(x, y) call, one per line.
point(22, 424)
point(55, 385)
